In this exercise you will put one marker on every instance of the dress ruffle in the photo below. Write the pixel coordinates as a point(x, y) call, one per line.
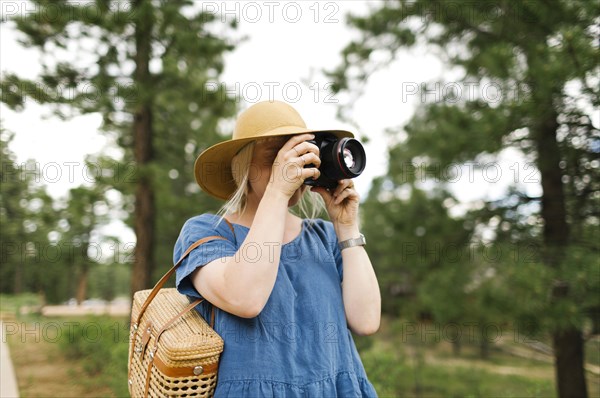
point(343, 384)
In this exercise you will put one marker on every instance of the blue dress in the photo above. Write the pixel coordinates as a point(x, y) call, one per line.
point(299, 345)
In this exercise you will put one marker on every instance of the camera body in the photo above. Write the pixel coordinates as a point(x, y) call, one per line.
point(341, 158)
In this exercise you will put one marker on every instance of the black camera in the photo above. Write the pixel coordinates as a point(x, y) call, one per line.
point(340, 159)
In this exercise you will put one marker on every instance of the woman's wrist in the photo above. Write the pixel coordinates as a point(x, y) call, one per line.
point(345, 232)
point(275, 194)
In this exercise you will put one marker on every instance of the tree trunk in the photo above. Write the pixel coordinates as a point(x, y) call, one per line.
point(568, 351)
point(82, 285)
point(595, 317)
point(142, 133)
point(567, 342)
point(456, 347)
point(18, 287)
point(484, 348)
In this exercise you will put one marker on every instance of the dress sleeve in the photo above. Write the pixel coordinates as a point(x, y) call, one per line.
point(194, 229)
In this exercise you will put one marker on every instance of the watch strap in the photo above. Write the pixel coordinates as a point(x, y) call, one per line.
point(360, 241)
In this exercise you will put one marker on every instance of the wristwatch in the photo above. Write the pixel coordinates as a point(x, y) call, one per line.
point(360, 241)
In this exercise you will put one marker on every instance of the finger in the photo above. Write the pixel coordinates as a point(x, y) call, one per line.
point(295, 140)
point(310, 158)
point(311, 172)
point(342, 185)
point(299, 149)
point(306, 147)
point(346, 193)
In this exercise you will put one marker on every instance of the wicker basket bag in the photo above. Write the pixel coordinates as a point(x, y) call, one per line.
point(173, 352)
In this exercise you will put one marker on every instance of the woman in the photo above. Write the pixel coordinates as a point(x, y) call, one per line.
point(288, 295)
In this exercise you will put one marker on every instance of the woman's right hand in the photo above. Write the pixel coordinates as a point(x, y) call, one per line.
point(288, 172)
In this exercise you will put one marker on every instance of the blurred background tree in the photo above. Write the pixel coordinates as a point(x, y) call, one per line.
point(542, 57)
point(46, 242)
point(86, 209)
point(147, 76)
point(26, 216)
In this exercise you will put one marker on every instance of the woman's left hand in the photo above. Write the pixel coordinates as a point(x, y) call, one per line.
point(342, 204)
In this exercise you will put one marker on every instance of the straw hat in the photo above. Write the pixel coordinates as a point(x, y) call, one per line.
point(264, 119)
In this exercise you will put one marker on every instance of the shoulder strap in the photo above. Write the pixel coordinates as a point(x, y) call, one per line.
point(230, 225)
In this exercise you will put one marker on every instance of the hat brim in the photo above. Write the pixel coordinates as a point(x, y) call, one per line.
point(212, 168)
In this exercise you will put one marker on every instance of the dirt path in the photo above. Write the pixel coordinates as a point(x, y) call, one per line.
point(531, 372)
point(43, 371)
point(8, 381)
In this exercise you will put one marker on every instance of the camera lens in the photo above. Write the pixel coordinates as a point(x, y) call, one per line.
point(348, 158)
point(352, 156)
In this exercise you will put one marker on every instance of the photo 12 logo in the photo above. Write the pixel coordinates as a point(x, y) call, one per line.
point(60, 172)
point(253, 92)
point(272, 11)
point(491, 92)
point(54, 11)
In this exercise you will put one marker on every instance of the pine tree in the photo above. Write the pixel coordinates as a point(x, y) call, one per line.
point(542, 57)
point(85, 211)
point(27, 217)
point(144, 66)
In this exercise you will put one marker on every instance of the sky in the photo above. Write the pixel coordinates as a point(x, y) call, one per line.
point(287, 46)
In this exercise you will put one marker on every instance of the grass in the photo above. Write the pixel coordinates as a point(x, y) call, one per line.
point(88, 357)
point(12, 304)
point(414, 367)
point(394, 377)
point(69, 357)
point(398, 373)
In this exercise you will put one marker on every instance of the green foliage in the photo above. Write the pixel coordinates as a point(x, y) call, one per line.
point(411, 238)
point(96, 341)
point(44, 242)
point(122, 44)
point(116, 376)
point(541, 57)
point(27, 216)
point(109, 281)
point(13, 303)
point(394, 375)
point(100, 346)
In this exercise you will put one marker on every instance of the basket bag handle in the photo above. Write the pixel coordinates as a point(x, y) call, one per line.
point(159, 285)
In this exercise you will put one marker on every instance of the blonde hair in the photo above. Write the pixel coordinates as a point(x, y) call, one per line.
point(309, 206)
